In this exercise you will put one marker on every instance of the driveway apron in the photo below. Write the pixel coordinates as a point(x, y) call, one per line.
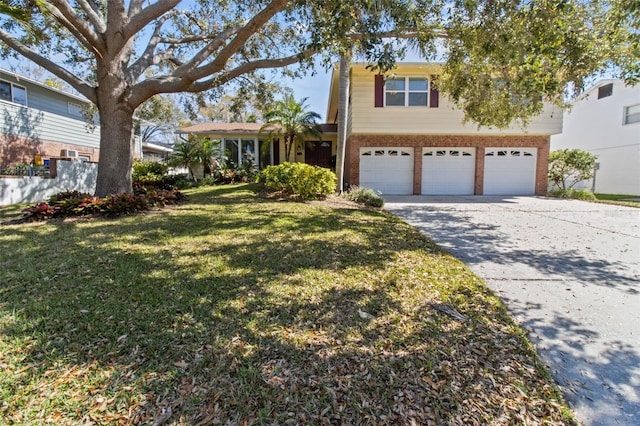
point(569, 273)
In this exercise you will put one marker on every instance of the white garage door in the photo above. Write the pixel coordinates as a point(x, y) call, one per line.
point(510, 171)
point(448, 171)
point(387, 170)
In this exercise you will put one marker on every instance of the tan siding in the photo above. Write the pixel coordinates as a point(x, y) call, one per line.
point(419, 120)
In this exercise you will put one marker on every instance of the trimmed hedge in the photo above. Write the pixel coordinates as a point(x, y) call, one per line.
point(306, 181)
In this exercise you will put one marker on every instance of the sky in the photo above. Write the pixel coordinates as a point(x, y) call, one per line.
point(316, 88)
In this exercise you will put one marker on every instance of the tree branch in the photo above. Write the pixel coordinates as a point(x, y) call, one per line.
point(248, 30)
point(86, 90)
point(94, 15)
point(247, 68)
point(76, 25)
point(141, 19)
point(145, 60)
point(134, 7)
point(206, 51)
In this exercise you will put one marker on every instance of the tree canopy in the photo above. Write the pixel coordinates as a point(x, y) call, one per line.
point(502, 57)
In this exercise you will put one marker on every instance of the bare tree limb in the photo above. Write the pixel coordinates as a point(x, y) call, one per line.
point(248, 30)
point(247, 68)
point(94, 15)
point(76, 25)
point(142, 18)
point(86, 90)
point(134, 7)
point(206, 51)
point(145, 60)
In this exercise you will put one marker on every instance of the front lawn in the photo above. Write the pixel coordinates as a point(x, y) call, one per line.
point(618, 199)
point(232, 309)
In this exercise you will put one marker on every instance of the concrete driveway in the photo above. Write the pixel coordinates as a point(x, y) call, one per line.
point(569, 272)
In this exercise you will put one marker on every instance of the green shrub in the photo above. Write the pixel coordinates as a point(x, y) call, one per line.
point(574, 194)
point(306, 181)
point(148, 170)
point(365, 196)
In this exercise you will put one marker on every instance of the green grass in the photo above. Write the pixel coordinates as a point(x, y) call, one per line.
point(618, 199)
point(237, 309)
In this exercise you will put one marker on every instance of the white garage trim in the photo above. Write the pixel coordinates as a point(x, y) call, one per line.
point(388, 170)
point(510, 171)
point(448, 171)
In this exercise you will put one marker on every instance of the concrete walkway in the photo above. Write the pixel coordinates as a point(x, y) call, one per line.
point(569, 272)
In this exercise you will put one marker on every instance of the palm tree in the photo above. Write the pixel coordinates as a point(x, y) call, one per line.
point(185, 154)
point(290, 120)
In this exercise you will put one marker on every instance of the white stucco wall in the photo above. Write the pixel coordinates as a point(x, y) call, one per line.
point(72, 175)
point(597, 126)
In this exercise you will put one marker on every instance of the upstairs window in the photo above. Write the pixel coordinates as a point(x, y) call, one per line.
point(13, 93)
point(605, 91)
point(632, 114)
point(407, 91)
point(75, 109)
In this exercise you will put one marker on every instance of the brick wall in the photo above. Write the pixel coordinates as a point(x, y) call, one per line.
point(418, 142)
point(15, 149)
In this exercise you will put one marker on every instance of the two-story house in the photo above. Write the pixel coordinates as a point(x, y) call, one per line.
point(404, 137)
point(40, 122)
point(605, 121)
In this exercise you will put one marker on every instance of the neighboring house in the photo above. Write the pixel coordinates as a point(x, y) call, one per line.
point(155, 151)
point(243, 142)
point(605, 121)
point(403, 137)
point(40, 122)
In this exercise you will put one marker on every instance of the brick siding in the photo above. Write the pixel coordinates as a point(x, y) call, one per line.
point(15, 149)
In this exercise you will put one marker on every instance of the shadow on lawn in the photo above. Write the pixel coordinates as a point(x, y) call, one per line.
point(221, 318)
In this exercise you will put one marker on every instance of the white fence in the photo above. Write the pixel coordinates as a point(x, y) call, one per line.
point(70, 175)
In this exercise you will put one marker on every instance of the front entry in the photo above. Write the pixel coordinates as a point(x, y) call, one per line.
point(318, 153)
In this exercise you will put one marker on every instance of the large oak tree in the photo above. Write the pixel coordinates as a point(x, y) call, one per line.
point(502, 56)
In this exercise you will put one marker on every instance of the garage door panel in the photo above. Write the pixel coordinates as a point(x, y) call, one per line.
point(387, 170)
point(510, 171)
point(448, 171)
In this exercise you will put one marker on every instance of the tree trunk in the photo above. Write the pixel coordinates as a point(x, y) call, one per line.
point(343, 108)
point(288, 144)
point(116, 139)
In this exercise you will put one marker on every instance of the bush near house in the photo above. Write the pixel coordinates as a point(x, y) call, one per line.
point(576, 194)
point(147, 170)
point(365, 196)
point(299, 179)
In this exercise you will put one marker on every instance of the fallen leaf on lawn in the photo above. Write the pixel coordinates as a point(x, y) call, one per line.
point(365, 315)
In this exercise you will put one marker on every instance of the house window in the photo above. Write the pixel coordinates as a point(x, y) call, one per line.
point(407, 91)
point(77, 109)
point(632, 114)
point(13, 93)
point(605, 91)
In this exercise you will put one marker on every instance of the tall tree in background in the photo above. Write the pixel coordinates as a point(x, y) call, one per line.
point(502, 55)
point(291, 121)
